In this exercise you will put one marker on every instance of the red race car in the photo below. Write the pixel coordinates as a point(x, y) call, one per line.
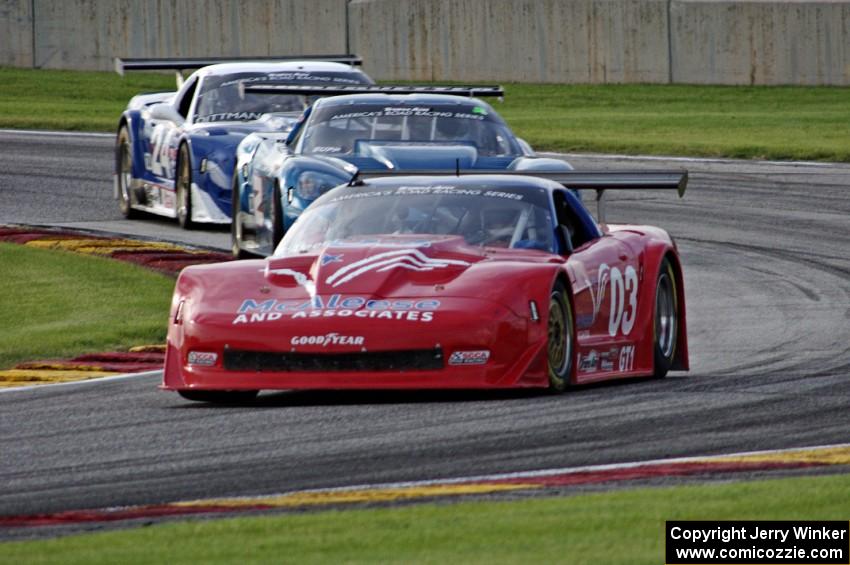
point(438, 281)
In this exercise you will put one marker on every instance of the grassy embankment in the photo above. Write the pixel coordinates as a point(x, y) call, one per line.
point(745, 122)
point(59, 304)
point(616, 527)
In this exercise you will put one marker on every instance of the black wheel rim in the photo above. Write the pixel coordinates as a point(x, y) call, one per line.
point(125, 175)
point(183, 191)
point(665, 315)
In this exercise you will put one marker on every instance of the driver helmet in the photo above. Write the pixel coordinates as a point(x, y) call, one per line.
point(419, 128)
point(452, 128)
point(499, 223)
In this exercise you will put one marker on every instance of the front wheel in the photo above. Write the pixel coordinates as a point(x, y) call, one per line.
point(220, 396)
point(183, 188)
point(666, 319)
point(560, 340)
point(277, 216)
point(124, 172)
point(236, 233)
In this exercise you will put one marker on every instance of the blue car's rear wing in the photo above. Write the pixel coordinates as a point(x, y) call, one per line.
point(337, 90)
point(190, 64)
point(599, 181)
point(186, 64)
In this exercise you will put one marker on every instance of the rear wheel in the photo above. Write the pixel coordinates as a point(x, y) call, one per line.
point(124, 172)
point(666, 319)
point(183, 188)
point(220, 396)
point(559, 346)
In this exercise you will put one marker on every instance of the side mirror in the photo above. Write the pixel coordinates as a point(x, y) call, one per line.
point(526, 148)
point(165, 112)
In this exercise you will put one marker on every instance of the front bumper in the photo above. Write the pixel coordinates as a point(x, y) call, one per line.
point(393, 354)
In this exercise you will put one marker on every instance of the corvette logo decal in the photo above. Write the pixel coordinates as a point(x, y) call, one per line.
point(327, 258)
point(599, 296)
point(411, 259)
point(300, 278)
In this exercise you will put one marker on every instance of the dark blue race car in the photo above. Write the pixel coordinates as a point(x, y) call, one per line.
point(175, 151)
point(351, 129)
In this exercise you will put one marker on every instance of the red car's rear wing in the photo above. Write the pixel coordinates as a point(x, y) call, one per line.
point(308, 90)
point(600, 181)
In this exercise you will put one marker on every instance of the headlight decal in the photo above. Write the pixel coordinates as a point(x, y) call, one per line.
point(311, 185)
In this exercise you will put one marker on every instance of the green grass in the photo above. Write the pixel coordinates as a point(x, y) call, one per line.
point(616, 527)
point(722, 121)
point(745, 122)
point(57, 304)
point(71, 100)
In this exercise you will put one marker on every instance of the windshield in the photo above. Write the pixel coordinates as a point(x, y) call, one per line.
point(487, 216)
point(344, 130)
point(220, 100)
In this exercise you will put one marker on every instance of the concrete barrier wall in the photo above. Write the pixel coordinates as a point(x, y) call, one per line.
point(573, 41)
point(16, 33)
point(88, 34)
point(760, 42)
point(519, 40)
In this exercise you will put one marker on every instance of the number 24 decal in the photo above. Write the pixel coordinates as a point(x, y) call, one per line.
point(623, 310)
point(160, 142)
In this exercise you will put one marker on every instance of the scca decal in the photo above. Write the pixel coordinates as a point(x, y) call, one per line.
point(478, 357)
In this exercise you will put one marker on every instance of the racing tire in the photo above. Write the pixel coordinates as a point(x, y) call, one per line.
point(220, 396)
point(124, 173)
point(665, 320)
point(235, 225)
point(277, 216)
point(560, 341)
point(183, 188)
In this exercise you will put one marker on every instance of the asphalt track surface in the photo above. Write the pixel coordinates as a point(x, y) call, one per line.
point(766, 251)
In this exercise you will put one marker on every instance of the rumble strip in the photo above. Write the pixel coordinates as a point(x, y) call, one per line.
point(163, 257)
point(810, 457)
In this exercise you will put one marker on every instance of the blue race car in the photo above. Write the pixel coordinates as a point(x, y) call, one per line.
point(175, 151)
point(372, 128)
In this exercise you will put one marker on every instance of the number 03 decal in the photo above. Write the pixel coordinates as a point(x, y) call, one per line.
point(622, 316)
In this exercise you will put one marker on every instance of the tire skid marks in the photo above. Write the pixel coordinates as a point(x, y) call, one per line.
point(816, 457)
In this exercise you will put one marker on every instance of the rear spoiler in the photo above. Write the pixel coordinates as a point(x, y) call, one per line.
point(189, 64)
point(308, 90)
point(599, 181)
